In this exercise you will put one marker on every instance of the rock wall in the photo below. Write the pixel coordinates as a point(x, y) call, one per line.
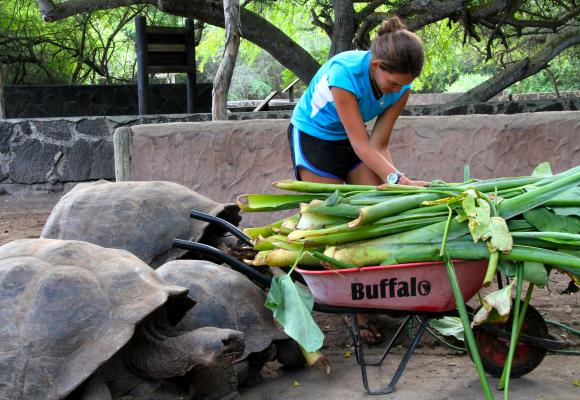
point(224, 159)
point(420, 107)
point(49, 154)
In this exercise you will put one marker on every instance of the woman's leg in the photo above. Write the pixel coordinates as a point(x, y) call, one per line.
point(309, 176)
point(363, 175)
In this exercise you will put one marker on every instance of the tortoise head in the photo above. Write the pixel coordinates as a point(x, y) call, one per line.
point(158, 350)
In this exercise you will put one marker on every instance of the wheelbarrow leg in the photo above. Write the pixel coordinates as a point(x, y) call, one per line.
point(356, 337)
point(402, 365)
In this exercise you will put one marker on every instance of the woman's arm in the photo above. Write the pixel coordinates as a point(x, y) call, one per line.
point(349, 113)
point(383, 129)
point(384, 124)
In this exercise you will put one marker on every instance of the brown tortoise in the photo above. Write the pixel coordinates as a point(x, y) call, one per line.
point(140, 217)
point(78, 321)
point(227, 299)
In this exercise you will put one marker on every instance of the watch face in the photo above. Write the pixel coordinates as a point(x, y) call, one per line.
point(392, 178)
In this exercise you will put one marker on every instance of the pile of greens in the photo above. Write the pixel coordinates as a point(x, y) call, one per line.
point(525, 226)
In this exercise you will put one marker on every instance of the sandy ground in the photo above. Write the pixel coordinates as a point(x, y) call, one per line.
point(434, 372)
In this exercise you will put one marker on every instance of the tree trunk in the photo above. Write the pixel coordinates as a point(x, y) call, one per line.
point(2, 109)
point(522, 69)
point(343, 30)
point(223, 76)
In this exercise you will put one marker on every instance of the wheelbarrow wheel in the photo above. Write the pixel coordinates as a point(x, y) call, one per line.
point(493, 341)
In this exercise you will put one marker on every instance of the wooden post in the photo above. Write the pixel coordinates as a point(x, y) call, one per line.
point(142, 64)
point(123, 154)
point(223, 77)
point(192, 74)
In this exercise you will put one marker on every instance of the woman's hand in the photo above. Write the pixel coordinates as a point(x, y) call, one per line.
point(406, 181)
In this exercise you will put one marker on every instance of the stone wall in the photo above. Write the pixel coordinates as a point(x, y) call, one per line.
point(507, 107)
point(419, 107)
point(226, 158)
point(49, 154)
point(88, 100)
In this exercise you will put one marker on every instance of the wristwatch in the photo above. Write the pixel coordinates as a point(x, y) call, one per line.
point(394, 177)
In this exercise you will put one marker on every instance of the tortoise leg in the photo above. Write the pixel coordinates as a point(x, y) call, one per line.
point(216, 383)
point(256, 362)
point(288, 354)
point(95, 389)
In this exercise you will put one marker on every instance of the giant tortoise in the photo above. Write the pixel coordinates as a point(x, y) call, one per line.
point(140, 217)
point(81, 321)
point(227, 299)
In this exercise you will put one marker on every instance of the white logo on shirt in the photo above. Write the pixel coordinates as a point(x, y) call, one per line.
point(321, 96)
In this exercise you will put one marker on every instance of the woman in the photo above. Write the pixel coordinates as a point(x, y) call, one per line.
point(327, 134)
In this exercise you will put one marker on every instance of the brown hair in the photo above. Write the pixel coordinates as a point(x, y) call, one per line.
point(397, 49)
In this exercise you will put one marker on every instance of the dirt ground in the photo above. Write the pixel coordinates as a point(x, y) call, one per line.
point(434, 372)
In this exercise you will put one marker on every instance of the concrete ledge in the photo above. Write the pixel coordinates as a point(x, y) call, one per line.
point(224, 159)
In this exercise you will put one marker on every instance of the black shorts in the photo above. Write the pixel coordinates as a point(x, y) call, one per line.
point(326, 158)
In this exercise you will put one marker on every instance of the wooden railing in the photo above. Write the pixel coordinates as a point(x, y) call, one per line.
point(264, 105)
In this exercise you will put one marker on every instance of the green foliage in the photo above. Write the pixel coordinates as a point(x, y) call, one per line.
point(257, 73)
point(84, 48)
point(292, 307)
point(99, 47)
point(465, 82)
point(563, 73)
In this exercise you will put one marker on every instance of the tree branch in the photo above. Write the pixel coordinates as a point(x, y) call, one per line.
point(524, 68)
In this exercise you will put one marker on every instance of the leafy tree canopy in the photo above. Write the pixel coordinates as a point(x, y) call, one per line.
point(534, 43)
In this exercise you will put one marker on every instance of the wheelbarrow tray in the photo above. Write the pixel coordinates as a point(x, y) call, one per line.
point(419, 287)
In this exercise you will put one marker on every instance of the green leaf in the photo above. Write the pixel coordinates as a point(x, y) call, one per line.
point(566, 211)
point(334, 199)
point(311, 220)
point(449, 326)
point(469, 203)
point(543, 170)
point(544, 220)
point(496, 307)
point(508, 268)
point(479, 224)
point(273, 202)
point(292, 307)
point(500, 237)
point(536, 273)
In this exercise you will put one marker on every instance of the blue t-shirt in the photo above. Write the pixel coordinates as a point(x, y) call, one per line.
point(315, 113)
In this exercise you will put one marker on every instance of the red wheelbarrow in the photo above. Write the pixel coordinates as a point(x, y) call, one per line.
point(420, 290)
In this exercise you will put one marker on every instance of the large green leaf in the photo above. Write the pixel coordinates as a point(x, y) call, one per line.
point(566, 211)
point(292, 307)
point(544, 220)
point(449, 326)
point(536, 273)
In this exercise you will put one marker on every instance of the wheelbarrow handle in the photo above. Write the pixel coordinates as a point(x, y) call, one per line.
point(222, 223)
point(236, 264)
